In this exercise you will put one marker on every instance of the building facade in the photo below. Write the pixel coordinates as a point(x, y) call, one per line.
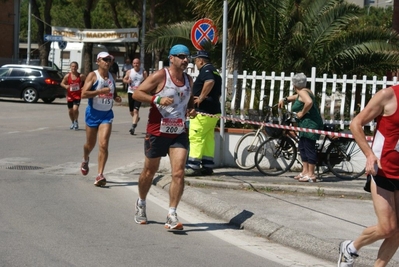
point(9, 25)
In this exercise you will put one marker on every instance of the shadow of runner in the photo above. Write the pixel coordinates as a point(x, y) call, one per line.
point(240, 218)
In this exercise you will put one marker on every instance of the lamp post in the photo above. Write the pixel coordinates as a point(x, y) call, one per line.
point(29, 23)
point(143, 35)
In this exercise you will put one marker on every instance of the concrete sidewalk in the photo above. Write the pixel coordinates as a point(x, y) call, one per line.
point(310, 217)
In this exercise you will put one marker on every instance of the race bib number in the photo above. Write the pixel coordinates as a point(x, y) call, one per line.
point(105, 100)
point(74, 87)
point(172, 126)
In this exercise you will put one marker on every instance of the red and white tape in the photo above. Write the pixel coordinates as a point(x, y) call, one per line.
point(293, 128)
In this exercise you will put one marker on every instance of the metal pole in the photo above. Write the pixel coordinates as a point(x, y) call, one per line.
point(29, 23)
point(224, 79)
point(143, 35)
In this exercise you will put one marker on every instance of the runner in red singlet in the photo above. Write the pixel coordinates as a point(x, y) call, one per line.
point(73, 83)
point(382, 167)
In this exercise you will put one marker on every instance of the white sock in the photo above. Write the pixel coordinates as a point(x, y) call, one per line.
point(141, 202)
point(351, 248)
point(172, 210)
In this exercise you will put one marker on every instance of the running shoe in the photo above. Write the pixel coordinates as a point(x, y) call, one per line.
point(84, 168)
point(346, 259)
point(172, 222)
point(206, 171)
point(140, 217)
point(76, 125)
point(100, 180)
point(132, 131)
point(192, 172)
point(72, 126)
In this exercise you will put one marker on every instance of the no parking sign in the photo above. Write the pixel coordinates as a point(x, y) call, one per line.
point(203, 31)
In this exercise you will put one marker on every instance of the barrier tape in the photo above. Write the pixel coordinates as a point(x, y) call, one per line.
point(286, 127)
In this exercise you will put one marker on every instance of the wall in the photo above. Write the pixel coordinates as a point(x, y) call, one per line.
point(9, 14)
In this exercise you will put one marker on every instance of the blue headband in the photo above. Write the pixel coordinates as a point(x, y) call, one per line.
point(179, 49)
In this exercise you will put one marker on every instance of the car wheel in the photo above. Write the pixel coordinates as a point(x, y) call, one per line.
point(48, 100)
point(30, 95)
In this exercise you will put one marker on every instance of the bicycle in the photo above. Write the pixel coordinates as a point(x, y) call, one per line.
point(340, 155)
point(247, 145)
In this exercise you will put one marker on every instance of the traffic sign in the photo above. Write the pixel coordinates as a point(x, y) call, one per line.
point(52, 38)
point(62, 45)
point(203, 31)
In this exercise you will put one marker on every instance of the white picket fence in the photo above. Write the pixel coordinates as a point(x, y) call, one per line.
point(340, 98)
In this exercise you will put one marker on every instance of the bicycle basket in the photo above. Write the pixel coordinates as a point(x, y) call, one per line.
point(277, 132)
point(274, 132)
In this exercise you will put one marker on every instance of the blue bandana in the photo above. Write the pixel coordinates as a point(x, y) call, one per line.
point(179, 49)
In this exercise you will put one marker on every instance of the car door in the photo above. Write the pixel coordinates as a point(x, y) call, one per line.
point(11, 83)
point(4, 75)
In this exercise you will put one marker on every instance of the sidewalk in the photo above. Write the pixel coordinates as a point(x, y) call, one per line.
point(310, 217)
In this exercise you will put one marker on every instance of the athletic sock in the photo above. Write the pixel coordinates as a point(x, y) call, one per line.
point(134, 125)
point(351, 248)
point(141, 202)
point(172, 210)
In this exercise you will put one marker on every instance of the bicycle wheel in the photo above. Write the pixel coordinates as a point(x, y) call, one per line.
point(244, 152)
point(345, 159)
point(276, 156)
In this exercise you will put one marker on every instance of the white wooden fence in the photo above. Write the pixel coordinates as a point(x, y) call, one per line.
point(340, 98)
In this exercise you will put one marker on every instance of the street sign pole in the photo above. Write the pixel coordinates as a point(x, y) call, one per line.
point(223, 96)
point(52, 44)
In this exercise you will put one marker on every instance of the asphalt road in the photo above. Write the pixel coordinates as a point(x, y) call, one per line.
point(51, 215)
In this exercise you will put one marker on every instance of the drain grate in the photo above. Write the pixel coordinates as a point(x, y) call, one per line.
point(23, 167)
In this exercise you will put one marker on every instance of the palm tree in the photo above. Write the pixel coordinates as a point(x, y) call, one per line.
point(326, 35)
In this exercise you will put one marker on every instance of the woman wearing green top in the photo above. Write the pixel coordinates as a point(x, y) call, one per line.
point(308, 116)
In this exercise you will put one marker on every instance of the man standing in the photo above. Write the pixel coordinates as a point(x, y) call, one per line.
point(114, 69)
point(73, 83)
point(382, 168)
point(133, 78)
point(100, 90)
point(169, 93)
point(207, 90)
point(127, 66)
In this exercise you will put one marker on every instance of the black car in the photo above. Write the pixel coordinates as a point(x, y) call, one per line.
point(36, 62)
point(31, 83)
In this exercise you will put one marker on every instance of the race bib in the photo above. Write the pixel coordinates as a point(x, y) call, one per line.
point(74, 87)
point(172, 126)
point(103, 101)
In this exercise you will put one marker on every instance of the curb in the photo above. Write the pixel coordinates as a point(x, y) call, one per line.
point(245, 219)
point(297, 189)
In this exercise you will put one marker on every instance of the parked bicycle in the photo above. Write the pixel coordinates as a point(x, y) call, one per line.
point(248, 144)
point(341, 156)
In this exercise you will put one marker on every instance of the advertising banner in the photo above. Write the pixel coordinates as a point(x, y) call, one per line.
point(96, 35)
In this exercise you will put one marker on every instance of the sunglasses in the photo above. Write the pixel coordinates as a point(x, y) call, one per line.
point(182, 56)
point(106, 59)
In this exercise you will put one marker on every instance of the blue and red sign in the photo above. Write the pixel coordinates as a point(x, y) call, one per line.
point(203, 31)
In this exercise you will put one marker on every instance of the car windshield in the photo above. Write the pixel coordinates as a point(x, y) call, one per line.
point(3, 72)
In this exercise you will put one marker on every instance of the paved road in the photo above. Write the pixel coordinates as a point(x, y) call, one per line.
point(52, 216)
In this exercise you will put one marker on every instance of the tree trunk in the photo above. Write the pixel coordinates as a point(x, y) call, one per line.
point(88, 47)
point(395, 16)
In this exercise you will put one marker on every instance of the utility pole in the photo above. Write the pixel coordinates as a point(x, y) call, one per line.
point(142, 35)
point(29, 23)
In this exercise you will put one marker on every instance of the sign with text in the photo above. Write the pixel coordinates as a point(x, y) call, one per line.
point(129, 35)
point(52, 38)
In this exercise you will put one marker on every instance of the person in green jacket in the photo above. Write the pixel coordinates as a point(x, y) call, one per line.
point(308, 116)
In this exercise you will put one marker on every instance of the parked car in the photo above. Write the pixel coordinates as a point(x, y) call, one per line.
point(31, 83)
point(36, 62)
